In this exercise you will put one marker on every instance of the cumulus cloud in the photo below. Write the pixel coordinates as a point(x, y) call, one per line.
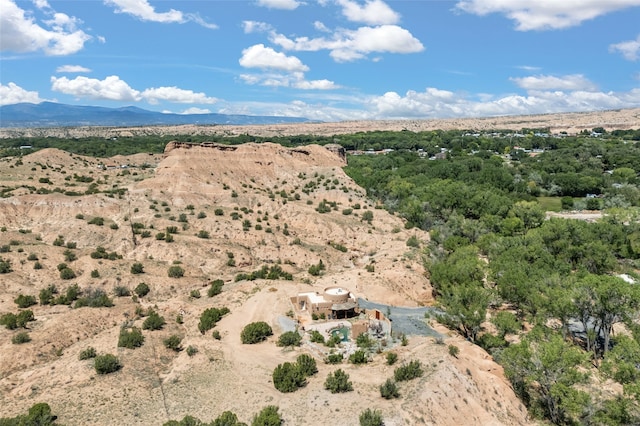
point(13, 94)
point(175, 95)
point(111, 88)
point(256, 27)
point(435, 103)
point(57, 36)
point(194, 110)
point(279, 4)
point(259, 56)
point(144, 11)
point(373, 12)
point(72, 68)
point(115, 89)
point(350, 45)
point(547, 82)
point(545, 14)
point(630, 49)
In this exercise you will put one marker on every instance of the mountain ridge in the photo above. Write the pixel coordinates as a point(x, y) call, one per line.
point(52, 114)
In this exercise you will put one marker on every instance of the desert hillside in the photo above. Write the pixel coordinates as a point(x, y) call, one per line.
point(215, 212)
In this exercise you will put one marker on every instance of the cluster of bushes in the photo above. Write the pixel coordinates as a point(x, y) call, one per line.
point(268, 416)
point(94, 298)
point(13, 321)
point(274, 272)
point(317, 269)
point(101, 253)
point(289, 377)
point(51, 296)
point(215, 288)
point(39, 414)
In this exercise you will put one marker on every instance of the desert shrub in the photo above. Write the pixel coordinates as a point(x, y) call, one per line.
point(142, 289)
point(203, 234)
point(175, 271)
point(408, 371)
point(32, 256)
point(338, 246)
point(9, 320)
point(413, 241)
point(215, 288)
point(88, 353)
point(24, 317)
point(95, 273)
point(371, 417)
point(389, 390)
point(370, 268)
point(101, 253)
point(216, 335)
point(94, 298)
point(106, 364)
point(160, 236)
point(97, 221)
point(307, 365)
point(334, 359)
point(59, 241)
point(364, 341)
point(367, 216)
point(454, 351)
point(145, 234)
point(130, 339)
point(392, 357)
point(274, 272)
point(137, 268)
point(358, 357)
point(71, 245)
point(268, 416)
point(20, 338)
point(338, 381)
point(173, 342)
point(255, 332)
point(192, 350)
point(67, 273)
point(210, 317)
point(289, 338)
point(489, 342)
point(153, 322)
point(36, 265)
point(46, 294)
point(316, 337)
point(201, 215)
point(172, 230)
point(317, 269)
point(288, 377)
point(227, 418)
point(5, 266)
point(39, 415)
point(24, 301)
point(121, 291)
point(5, 248)
point(218, 212)
point(69, 256)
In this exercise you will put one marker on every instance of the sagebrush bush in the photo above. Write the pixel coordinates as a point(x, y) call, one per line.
point(106, 364)
point(24, 301)
point(389, 390)
point(338, 381)
point(142, 289)
point(408, 371)
point(154, 321)
point(173, 342)
point(130, 339)
point(88, 353)
point(19, 338)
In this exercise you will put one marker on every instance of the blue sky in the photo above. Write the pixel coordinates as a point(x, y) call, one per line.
point(329, 60)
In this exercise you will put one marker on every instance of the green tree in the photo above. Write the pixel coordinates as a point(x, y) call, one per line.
point(153, 322)
point(255, 332)
point(338, 382)
point(268, 416)
point(289, 338)
point(137, 268)
point(389, 390)
point(545, 370)
point(371, 417)
point(307, 365)
point(210, 317)
point(288, 377)
point(506, 323)
point(142, 289)
point(215, 288)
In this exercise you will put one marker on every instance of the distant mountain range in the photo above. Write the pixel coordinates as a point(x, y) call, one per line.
point(51, 114)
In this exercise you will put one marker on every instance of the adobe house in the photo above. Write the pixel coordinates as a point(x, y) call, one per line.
point(334, 302)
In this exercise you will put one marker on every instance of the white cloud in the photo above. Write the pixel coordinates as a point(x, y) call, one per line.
point(111, 88)
point(315, 85)
point(255, 27)
point(72, 68)
point(528, 68)
point(194, 110)
point(629, 49)
point(13, 94)
point(434, 103)
point(279, 4)
point(548, 82)
point(294, 80)
point(115, 89)
point(259, 56)
point(545, 14)
point(373, 12)
point(19, 31)
point(175, 95)
point(350, 45)
point(144, 11)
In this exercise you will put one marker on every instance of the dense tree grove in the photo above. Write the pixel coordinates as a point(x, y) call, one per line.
point(498, 266)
